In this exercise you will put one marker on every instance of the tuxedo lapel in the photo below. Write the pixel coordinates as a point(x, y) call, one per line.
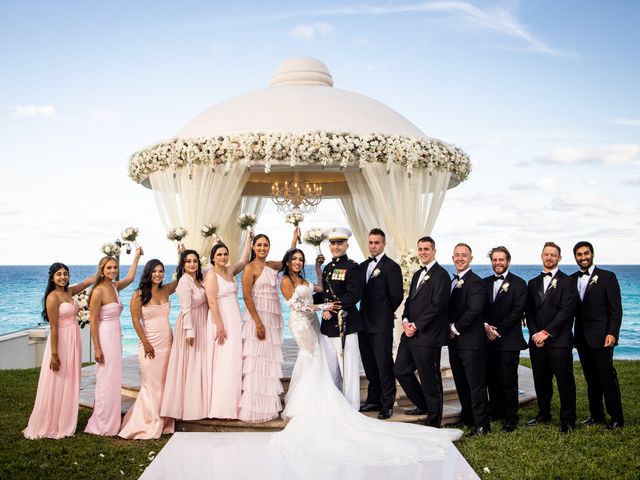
point(416, 290)
point(378, 266)
point(500, 290)
point(590, 285)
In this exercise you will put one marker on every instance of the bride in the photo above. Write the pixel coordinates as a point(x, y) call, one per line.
point(323, 427)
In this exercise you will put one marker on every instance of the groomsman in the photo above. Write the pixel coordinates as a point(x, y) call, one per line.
point(506, 298)
point(426, 327)
point(342, 281)
point(598, 320)
point(551, 303)
point(381, 297)
point(468, 342)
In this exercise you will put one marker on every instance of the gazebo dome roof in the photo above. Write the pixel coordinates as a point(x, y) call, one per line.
point(301, 98)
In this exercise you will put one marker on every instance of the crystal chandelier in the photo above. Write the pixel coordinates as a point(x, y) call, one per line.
point(296, 195)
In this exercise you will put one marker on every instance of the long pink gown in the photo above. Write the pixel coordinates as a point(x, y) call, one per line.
point(55, 412)
point(107, 403)
point(226, 377)
point(187, 387)
point(143, 420)
point(262, 359)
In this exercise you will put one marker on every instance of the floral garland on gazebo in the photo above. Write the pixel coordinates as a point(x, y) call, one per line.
point(329, 149)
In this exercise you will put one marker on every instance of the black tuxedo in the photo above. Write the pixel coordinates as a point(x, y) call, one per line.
point(468, 350)
point(426, 306)
point(598, 314)
point(552, 310)
point(381, 297)
point(505, 313)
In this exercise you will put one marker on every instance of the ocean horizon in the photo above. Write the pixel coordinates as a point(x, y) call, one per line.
point(22, 288)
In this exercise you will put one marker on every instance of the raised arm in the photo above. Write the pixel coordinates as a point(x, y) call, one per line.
point(211, 288)
point(246, 255)
point(94, 317)
point(248, 279)
point(53, 304)
point(170, 288)
point(126, 281)
point(135, 306)
point(79, 287)
point(277, 264)
point(317, 287)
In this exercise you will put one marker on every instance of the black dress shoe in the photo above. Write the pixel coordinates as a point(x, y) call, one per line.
point(369, 407)
point(477, 431)
point(615, 425)
point(538, 419)
point(459, 424)
point(385, 413)
point(415, 411)
point(567, 427)
point(432, 421)
point(591, 421)
point(509, 426)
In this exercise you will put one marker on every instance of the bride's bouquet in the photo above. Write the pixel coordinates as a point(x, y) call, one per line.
point(247, 221)
point(209, 230)
point(177, 233)
point(110, 249)
point(294, 218)
point(315, 237)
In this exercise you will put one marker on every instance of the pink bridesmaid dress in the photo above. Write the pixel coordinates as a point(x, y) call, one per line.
point(186, 393)
point(143, 420)
point(262, 359)
point(226, 376)
point(107, 403)
point(55, 412)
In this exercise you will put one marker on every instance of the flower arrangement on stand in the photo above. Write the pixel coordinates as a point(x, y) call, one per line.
point(110, 249)
point(83, 312)
point(209, 230)
point(295, 218)
point(409, 263)
point(177, 233)
point(315, 237)
point(247, 221)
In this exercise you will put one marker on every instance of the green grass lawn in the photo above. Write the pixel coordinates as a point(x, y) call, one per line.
point(529, 452)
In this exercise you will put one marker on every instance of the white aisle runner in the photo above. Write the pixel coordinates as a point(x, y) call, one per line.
point(246, 456)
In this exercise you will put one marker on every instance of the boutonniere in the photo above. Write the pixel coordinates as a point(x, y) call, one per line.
point(554, 283)
point(375, 273)
point(594, 280)
point(505, 287)
point(459, 283)
point(426, 277)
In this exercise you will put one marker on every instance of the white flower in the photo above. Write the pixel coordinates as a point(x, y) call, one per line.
point(486, 470)
point(459, 283)
point(554, 283)
point(594, 280)
point(110, 249)
point(247, 220)
point(375, 273)
point(177, 233)
point(314, 236)
point(209, 229)
point(130, 234)
point(505, 287)
point(294, 218)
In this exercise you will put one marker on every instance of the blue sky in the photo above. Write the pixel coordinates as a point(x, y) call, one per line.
point(543, 96)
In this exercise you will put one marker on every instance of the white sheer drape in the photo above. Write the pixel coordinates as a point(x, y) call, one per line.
point(406, 208)
point(231, 234)
point(205, 196)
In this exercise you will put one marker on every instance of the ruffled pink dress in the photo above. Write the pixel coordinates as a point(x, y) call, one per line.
point(262, 359)
point(55, 412)
point(187, 387)
point(143, 420)
point(226, 376)
point(107, 403)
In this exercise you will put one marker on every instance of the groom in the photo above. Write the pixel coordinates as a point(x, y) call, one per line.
point(342, 281)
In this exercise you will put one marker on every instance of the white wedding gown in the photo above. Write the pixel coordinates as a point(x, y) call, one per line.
point(324, 428)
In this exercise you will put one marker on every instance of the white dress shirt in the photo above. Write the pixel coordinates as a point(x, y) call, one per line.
point(546, 280)
point(497, 284)
point(583, 282)
point(372, 266)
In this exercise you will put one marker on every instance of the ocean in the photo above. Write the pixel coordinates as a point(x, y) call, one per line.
point(22, 287)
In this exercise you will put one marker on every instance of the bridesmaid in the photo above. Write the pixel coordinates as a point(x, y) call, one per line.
point(222, 293)
point(104, 315)
point(187, 387)
point(261, 335)
point(55, 412)
point(150, 315)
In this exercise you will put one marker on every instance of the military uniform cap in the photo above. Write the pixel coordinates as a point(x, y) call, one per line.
point(338, 233)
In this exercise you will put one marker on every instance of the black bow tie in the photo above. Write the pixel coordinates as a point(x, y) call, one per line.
point(581, 273)
point(424, 268)
point(373, 259)
point(456, 277)
point(546, 274)
point(498, 277)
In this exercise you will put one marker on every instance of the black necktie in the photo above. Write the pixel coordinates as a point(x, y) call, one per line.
point(498, 277)
point(546, 274)
point(581, 273)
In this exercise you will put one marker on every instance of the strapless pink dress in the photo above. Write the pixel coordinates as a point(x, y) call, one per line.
point(55, 412)
point(107, 403)
point(143, 420)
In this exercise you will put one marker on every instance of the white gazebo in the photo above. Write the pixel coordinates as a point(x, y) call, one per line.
point(383, 170)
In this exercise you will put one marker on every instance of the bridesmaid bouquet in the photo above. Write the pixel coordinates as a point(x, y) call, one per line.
point(110, 249)
point(409, 263)
point(294, 218)
point(247, 220)
point(315, 237)
point(83, 312)
point(177, 233)
point(209, 229)
point(130, 234)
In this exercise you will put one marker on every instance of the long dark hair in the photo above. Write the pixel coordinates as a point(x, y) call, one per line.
point(253, 244)
point(51, 286)
point(145, 280)
point(285, 263)
point(183, 258)
point(214, 249)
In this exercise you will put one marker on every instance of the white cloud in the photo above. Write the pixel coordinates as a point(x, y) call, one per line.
point(626, 122)
point(310, 31)
point(633, 181)
point(544, 184)
point(103, 116)
point(42, 111)
point(615, 154)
